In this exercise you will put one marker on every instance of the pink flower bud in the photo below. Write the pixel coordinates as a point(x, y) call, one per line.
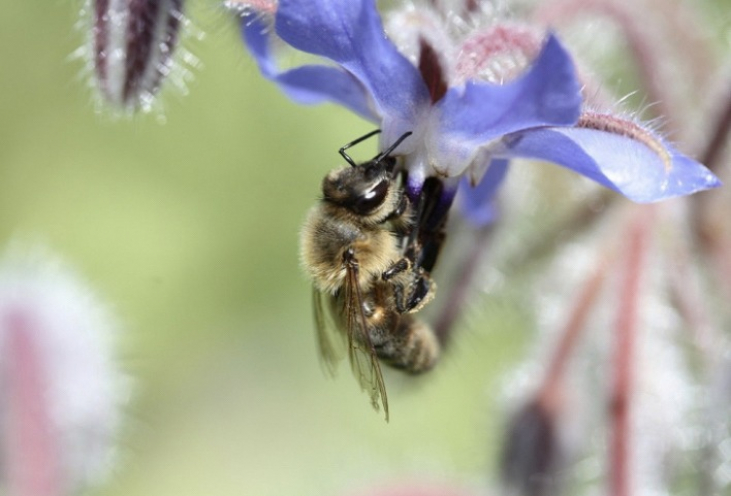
point(60, 389)
point(413, 488)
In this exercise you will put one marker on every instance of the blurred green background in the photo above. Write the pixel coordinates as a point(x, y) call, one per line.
point(188, 228)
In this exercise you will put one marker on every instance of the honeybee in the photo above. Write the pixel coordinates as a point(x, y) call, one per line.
point(366, 289)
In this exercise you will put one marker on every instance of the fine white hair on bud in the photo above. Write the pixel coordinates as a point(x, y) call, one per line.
point(60, 387)
point(130, 49)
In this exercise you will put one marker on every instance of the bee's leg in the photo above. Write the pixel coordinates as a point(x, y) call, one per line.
point(400, 209)
point(398, 267)
point(399, 220)
point(431, 206)
point(396, 275)
point(412, 295)
point(430, 248)
point(400, 298)
point(421, 291)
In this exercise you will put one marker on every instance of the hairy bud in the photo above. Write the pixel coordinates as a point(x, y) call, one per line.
point(532, 454)
point(60, 389)
point(133, 42)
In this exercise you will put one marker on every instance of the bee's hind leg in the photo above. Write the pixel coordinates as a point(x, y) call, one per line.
point(421, 291)
point(413, 294)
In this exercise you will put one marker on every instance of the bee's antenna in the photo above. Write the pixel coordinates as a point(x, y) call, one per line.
point(355, 142)
point(386, 153)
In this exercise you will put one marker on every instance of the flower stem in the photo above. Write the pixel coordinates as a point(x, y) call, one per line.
point(625, 334)
point(713, 151)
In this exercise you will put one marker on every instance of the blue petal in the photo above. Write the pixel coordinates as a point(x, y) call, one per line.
point(307, 84)
point(477, 202)
point(311, 84)
point(547, 95)
point(623, 164)
point(350, 33)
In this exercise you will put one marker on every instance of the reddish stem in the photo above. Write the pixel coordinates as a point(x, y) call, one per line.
point(706, 229)
point(626, 328)
point(30, 450)
point(713, 151)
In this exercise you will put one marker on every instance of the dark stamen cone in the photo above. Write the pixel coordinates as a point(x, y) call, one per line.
point(431, 71)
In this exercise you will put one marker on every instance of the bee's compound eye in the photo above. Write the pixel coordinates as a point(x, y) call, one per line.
point(371, 199)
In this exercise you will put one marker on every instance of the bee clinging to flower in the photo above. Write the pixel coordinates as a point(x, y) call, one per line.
point(358, 249)
point(466, 123)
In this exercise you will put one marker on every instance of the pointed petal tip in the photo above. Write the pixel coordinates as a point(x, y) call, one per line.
point(622, 163)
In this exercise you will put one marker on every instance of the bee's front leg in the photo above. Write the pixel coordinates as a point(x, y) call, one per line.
point(400, 210)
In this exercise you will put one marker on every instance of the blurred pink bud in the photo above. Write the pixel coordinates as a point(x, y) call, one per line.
point(60, 390)
point(133, 42)
point(421, 488)
point(267, 7)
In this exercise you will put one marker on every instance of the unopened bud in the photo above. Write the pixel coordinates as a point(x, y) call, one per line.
point(420, 488)
point(532, 454)
point(133, 42)
point(60, 389)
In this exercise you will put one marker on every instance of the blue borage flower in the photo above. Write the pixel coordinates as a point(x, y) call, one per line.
point(473, 127)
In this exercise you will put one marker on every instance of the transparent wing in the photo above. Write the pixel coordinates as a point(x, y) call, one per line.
point(362, 354)
point(330, 345)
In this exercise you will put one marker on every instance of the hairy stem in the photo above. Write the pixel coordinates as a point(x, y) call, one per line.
point(713, 151)
point(705, 221)
point(624, 351)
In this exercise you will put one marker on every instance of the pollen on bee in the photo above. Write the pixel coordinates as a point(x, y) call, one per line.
point(622, 127)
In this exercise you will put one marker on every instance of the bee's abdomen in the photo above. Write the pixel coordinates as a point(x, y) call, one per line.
point(412, 347)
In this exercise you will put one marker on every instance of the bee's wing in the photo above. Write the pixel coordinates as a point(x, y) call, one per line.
point(362, 354)
point(331, 347)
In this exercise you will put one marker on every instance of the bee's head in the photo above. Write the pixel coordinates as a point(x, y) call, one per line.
point(366, 190)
